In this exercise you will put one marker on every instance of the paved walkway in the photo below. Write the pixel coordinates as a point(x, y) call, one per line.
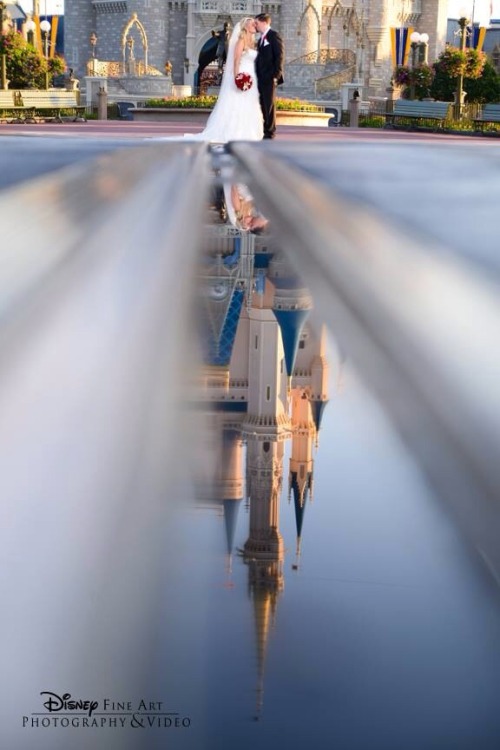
point(127, 129)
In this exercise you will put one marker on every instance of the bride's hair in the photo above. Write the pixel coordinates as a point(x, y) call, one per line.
point(243, 31)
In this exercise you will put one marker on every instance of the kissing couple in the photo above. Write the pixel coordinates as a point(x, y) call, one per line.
point(246, 107)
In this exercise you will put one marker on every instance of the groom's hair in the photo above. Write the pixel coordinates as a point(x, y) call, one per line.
point(264, 17)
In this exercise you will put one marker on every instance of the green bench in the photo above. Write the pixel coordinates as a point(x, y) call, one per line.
point(11, 106)
point(53, 102)
point(489, 114)
point(415, 111)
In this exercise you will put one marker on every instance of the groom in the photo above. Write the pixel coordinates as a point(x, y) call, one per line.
point(269, 69)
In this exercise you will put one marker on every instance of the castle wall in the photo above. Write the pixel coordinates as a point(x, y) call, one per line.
point(178, 28)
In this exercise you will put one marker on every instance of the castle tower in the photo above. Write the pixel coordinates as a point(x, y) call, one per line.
point(229, 483)
point(320, 373)
point(264, 550)
point(291, 306)
point(267, 379)
point(300, 480)
point(309, 27)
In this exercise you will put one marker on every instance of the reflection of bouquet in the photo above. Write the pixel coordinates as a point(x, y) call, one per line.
point(243, 81)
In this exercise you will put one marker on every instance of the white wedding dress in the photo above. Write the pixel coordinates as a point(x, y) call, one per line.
point(237, 115)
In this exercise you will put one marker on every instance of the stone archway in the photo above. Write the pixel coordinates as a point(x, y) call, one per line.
point(125, 40)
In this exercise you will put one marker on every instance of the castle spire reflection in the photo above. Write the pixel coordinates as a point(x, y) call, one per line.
point(265, 376)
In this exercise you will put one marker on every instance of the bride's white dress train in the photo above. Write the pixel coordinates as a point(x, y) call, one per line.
point(237, 115)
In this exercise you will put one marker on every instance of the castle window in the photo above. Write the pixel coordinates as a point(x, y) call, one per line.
point(268, 393)
point(209, 5)
point(495, 57)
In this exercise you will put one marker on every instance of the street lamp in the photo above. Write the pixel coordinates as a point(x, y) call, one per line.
point(30, 27)
point(463, 22)
point(45, 29)
point(419, 44)
point(93, 42)
point(3, 60)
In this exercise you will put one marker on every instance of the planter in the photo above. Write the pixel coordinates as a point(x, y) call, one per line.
point(183, 114)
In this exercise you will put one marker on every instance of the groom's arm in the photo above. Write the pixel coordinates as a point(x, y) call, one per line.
point(278, 55)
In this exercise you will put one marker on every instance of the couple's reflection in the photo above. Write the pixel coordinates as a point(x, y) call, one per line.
point(241, 209)
point(265, 379)
point(236, 206)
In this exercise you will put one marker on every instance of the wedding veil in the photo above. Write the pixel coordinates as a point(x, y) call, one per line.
point(228, 76)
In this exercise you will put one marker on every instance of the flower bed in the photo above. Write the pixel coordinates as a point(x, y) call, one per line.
point(196, 109)
point(208, 102)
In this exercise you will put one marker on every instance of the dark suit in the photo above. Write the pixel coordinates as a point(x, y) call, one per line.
point(269, 69)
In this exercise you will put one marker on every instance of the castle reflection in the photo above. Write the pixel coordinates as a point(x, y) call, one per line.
point(264, 382)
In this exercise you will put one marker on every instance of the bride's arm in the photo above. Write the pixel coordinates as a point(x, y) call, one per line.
point(238, 50)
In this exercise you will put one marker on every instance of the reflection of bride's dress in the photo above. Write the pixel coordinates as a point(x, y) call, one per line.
point(237, 115)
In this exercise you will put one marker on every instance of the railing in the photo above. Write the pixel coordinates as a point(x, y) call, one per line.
point(118, 69)
point(224, 6)
point(325, 56)
point(330, 84)
point(96, 292)
point(382, 285)
point(93, 320)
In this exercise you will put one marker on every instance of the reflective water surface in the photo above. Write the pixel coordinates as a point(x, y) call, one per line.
point(321, 596)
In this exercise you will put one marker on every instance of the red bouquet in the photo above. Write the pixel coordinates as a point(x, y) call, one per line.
point(243, 81)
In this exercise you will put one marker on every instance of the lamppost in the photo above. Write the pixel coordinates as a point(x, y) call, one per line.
point(419, 44)
point(45, 29)
point(463, 22)
point(3, 58)
point(30, 27)
point(93, 42)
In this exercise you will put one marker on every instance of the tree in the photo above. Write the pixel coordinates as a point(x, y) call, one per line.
point(484, 89)
point(481, 81)
point(26, 67)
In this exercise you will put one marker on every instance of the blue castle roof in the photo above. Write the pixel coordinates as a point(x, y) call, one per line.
point(317, 409)
point(291, 323)
point(299, 507)
point(231, 508)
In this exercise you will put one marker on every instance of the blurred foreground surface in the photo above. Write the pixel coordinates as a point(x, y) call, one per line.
point(211, 527)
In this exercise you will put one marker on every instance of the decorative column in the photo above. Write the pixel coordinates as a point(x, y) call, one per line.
point(190, 39)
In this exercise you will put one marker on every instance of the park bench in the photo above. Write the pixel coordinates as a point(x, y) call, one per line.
point(53, 103)
point(11, 106)
point(489, 114)
point(124, 110)
point(415, 110)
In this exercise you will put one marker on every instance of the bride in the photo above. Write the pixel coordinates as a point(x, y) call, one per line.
point(237, 115)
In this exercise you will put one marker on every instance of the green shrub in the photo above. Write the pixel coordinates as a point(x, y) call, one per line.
point(371, 121)
point(189, 102)
point(208, 102)
point(26, 67)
